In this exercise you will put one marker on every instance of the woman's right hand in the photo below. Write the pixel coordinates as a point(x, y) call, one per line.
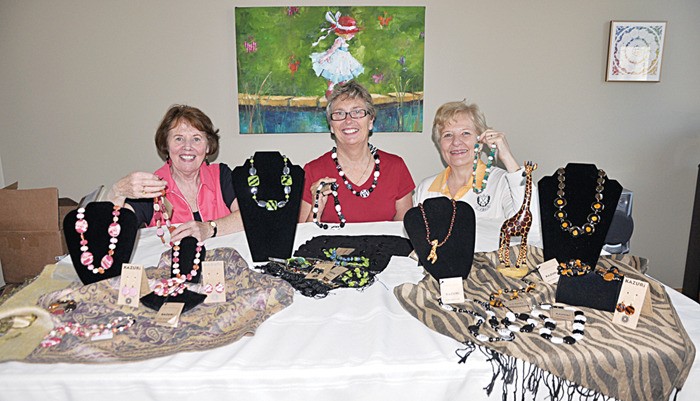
point(135, 186)
point(323, 195)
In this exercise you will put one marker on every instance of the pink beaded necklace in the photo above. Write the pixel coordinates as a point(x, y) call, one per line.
point(86, 257)
point(160, 213)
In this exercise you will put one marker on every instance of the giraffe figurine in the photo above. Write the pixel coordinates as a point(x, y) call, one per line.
point(517, 226)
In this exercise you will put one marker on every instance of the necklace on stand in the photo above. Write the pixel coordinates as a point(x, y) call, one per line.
point(365, 192)
point(489, 165)
point(435, 244)
point(338, 210)
point(86, 257)
point(160, 213)
point(176, 285)
point(254, 183)
point(597, 206)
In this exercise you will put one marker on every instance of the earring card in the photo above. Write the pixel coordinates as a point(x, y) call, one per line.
point(169, 314)
point(214, 281)
point(132, 284)
point(634, 300)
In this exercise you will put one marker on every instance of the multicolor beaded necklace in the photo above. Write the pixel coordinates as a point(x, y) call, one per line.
point(489, 165)
point(86, 257)
point(365, 192)
point(254, 183)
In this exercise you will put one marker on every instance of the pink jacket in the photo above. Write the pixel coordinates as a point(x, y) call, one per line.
point(209, 198)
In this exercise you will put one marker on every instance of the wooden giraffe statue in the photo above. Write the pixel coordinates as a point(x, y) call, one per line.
point(518, 226)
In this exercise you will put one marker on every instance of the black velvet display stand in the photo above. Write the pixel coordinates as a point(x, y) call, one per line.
point(190, 299)
point(456, 255)
point(588, 290)
point(99, 216)
point(269, 233)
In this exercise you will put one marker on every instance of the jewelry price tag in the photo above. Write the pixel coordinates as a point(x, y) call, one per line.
point(561, 315)
point(344, 251)
point(319, 270)
point(518, 305)
point(169, 314)
point(549, 272)
point(451, 290)
point(213, 281)
point(633, 301)
point(334, 272)
point(132, 284)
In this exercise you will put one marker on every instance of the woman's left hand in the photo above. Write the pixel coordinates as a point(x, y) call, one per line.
point(498, 140)
point(196, 229)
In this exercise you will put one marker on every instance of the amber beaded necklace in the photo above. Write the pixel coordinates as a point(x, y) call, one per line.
point(597, 206)
point(435, 244)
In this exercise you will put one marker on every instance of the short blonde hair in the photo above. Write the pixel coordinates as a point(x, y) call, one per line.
point(449, 111)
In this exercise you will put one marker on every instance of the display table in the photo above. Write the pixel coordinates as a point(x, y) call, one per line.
point(354, 345)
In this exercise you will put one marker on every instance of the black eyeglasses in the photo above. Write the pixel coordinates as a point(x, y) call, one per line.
point(354, 114)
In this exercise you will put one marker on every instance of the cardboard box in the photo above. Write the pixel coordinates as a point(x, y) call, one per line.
point(30, 236)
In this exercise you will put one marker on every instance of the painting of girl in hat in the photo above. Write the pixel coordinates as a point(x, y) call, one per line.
point(336, 64)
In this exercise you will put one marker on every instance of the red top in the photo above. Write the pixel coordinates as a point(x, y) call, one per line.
point(394, 183)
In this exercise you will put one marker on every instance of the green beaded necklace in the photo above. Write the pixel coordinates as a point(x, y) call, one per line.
point(254, 183)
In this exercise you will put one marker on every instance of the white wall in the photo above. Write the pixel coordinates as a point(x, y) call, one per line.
point(83, 84)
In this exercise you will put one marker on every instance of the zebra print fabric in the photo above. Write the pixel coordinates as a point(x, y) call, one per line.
point(646, 363)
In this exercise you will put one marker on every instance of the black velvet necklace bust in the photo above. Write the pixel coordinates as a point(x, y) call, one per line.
point(456, 254)
point(579, 194)
point(270, 233)
point(98, 216)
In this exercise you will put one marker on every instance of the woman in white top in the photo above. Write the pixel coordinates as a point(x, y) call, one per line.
point(457, 128)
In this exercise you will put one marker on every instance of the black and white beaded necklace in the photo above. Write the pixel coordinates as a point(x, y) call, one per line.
point(550, 324)
point(338, 209)
point(365, 192)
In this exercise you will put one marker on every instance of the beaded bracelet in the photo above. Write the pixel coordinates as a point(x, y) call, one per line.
point(550, 324)
point(504, 334)
point(55, 336)
point(572, 268)
point(611, 274)
point(356, 277)
point(495, 297)
point(342, 260)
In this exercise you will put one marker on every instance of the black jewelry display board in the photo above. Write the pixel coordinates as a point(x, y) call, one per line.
point(270, 233)
point(455, 256)
point(580, 190)
point(188, 298)
point(98, 216)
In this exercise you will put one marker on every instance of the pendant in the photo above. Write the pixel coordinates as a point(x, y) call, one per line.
point(364, 193)
point(432, 257)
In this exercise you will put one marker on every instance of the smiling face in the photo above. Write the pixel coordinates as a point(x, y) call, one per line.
point(351, 131)
point(457, 140)
point(187, 147)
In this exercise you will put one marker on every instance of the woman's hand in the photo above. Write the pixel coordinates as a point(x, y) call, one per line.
point(323, 196)
point(135, 186)
point(197, 229)
point(498, 140)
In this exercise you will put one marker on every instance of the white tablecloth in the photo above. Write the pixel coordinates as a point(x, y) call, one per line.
point(351, 345)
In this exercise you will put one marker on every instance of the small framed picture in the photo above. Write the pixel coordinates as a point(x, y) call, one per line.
point(635, 51)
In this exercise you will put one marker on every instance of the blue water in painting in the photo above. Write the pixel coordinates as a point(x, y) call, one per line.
point(280, 120)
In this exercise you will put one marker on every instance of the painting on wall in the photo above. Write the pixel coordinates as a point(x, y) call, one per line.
point(635, 51)
point(290, 58)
